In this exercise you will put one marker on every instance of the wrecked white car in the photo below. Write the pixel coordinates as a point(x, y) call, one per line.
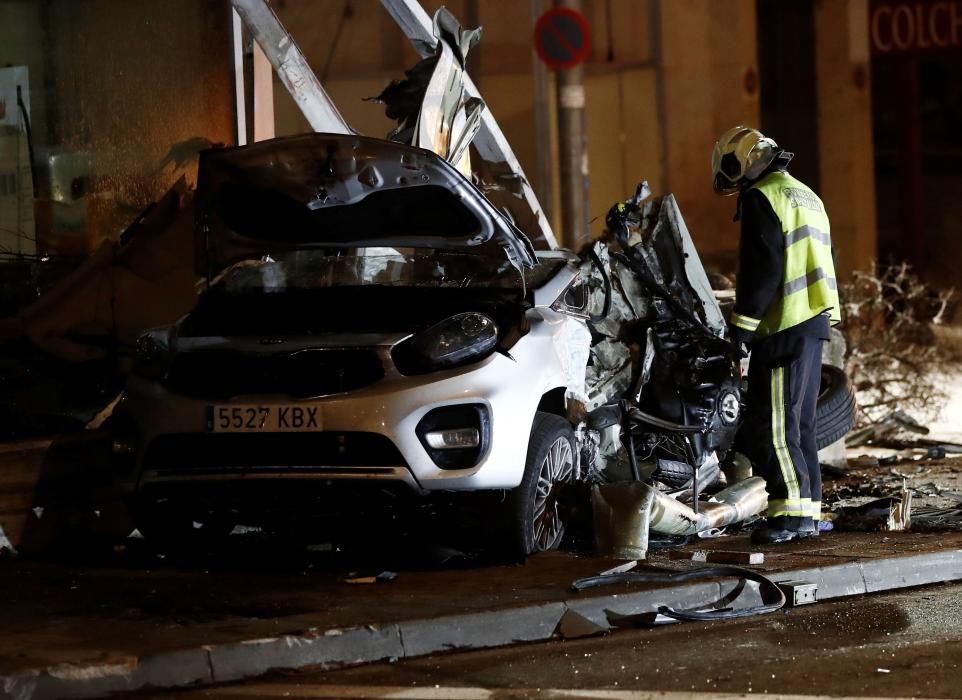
point(371, 318)
point(374, 317)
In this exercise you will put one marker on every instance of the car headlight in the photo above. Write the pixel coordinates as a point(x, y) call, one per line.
point(455, 341)
point(152, 354)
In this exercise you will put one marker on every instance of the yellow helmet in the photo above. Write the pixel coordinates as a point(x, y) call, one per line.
point(741, 155)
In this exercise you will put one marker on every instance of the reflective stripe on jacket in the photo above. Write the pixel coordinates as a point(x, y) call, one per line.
point(808, 286)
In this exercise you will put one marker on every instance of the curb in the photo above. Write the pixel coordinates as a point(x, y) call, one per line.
point(338, 648)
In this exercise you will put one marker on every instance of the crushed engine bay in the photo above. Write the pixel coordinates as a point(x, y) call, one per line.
point(663, 389)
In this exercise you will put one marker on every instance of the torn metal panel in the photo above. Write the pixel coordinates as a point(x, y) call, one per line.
point(573, 352)
point(499, 171)
point(430, 104)
point(291, 66)
point(609, 375)
point(610, 371)
point(447, 122)
point(621, 519)
point(675, 266)
point(694, 270)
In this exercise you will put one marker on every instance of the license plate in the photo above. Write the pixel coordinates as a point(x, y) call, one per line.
point(253, 418)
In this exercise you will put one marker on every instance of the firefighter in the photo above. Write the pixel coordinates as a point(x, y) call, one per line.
point(786, 300)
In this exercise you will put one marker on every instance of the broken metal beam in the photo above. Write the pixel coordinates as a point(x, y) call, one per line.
point(490, 142)
point(291, 66)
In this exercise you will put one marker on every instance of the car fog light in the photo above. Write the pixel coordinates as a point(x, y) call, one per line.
point(456, 439)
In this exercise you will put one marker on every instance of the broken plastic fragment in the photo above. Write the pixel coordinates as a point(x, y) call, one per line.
point(574, 625)
point(382, 577)
point(6, 547)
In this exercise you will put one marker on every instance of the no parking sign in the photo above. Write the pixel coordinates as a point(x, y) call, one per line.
point(562, 38)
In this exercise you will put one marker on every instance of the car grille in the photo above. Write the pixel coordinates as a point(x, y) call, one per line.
point(305, 373)
point(232, 451)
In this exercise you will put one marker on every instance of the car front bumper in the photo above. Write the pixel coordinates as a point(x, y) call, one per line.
point(509, 388)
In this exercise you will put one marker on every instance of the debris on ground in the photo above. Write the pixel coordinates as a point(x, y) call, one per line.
point(900, 431)
point(891, 514)
point(382, 577)
point(863, 496)
point(938, 518)
point(892, 426)
point(893, 358)
point(573, 625)
point(772, 596)
point(620, 569)
point(7, 550)
point(720, 557)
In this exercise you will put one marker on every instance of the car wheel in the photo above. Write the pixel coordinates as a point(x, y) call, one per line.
point(537, 516)
point(836, 409)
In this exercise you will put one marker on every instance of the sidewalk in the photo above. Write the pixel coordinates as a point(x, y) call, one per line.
point(87, 631)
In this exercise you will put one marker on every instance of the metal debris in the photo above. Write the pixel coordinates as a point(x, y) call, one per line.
point(768, 590)
point(6, 547)
point(574, 625)
point(382, 577)
point(892, 514)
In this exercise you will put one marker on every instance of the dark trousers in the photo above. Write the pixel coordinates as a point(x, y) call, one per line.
point(778, 434)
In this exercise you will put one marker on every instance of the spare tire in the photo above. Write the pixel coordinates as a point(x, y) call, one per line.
point(836, 408)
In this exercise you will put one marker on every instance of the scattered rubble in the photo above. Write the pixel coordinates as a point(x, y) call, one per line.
point(383, 577)
point(893, 358)
point(891, 514)
point(895, 491)
point(719, 557)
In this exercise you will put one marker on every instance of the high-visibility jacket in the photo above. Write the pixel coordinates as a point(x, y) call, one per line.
point(808, 286)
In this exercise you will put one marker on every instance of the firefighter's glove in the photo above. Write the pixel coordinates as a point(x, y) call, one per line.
point(741, 341)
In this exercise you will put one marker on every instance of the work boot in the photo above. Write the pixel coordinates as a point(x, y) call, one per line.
point(779, 530)
point(765, 534)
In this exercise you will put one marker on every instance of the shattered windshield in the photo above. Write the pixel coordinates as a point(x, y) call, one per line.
point(387, 267)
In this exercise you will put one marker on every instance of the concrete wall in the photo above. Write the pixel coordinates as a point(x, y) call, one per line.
point(120, 83)
point(705, 92)
point(845, 129)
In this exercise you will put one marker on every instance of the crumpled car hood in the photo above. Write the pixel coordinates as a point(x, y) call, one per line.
point(341, 191)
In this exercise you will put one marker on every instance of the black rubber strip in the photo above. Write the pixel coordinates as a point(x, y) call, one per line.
point(663, 576)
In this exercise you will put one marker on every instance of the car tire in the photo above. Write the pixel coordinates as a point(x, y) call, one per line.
point(836, 409)
point(537, 523)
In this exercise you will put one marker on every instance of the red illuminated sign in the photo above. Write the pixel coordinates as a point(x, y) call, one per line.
point(909, 26)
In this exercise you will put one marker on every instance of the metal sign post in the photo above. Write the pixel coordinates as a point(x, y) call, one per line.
point(562, 39)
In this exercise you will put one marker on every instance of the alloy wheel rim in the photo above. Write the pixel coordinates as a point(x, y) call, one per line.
point(556, 469)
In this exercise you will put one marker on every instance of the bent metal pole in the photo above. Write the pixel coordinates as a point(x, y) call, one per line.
point(291, 67)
